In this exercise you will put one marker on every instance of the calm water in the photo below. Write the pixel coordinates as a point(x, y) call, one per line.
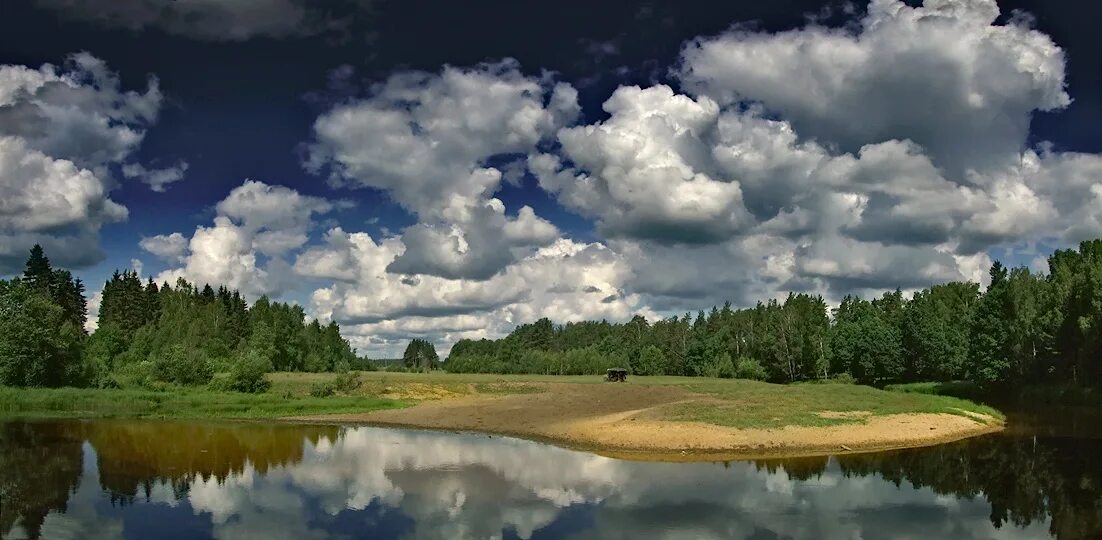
point(129, 479)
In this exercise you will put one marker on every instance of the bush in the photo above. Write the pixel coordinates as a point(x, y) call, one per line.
point(248, 374)
point(843, 378)
point(347, 382)
point(343, 383)
point(322, 389)
point(748, 368)
point(188, 367)
point(726, 367)
point(134, 375)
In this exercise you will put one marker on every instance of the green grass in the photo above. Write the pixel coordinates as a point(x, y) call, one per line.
point(1031, 394)
point(960, 389)
point(173, 403)
point(751, 404)
point(727, 402)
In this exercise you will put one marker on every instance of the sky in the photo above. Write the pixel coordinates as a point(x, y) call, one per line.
point(449, 170)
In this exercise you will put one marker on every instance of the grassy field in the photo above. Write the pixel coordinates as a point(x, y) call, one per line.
point(762, 405)
point(173, 403)
point(727, 402)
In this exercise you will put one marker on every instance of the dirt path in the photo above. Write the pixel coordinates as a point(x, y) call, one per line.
point(625, 421)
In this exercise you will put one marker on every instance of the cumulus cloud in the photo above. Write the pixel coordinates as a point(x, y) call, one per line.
point(372, 303)
point(214, 20)
point(941, 75)
point(878, 155)
point(890, 152)
point(62, 132)
point(78, 113)
point(425, 139)
point(52, 202)
point(170, 247)
point(649, 171)
point(256, 224)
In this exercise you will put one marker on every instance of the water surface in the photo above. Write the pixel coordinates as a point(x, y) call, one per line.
point(149, 479)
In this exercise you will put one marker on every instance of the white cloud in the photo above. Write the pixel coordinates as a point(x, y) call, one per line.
point(835, 161)
point(62, 132)
point(425, 140)
point(170, 247)
point(649, 171)
point(157, 179)
point(52, 202)
point(564, 281)
point(78, 113)
point(256, 224)
point(831, 160)
point(941, 75)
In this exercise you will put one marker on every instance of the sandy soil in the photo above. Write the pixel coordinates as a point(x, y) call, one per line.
point(622, 421)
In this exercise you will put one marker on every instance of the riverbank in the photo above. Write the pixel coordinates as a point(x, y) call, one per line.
point(647, 417)
point(176, 403)
point(687, 418)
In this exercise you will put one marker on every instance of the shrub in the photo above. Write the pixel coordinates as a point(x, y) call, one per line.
point(248, 374)
point(748, 368)
point(347, 382)
point(726, 368)
point(134, 375)
point(182, 366)
point(843, 378)
point(343, 383)
point(322, 389)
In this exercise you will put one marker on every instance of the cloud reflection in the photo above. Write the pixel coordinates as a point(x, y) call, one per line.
point(376, 482)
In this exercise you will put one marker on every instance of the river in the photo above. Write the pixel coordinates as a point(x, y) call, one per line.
point(1041, 478)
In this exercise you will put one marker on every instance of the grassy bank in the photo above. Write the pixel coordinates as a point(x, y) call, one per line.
point(750, 404)
point(725, 402)
point(1034, 394)
point(173, 403)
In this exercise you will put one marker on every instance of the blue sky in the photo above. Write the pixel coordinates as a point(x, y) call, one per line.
point(448, 170)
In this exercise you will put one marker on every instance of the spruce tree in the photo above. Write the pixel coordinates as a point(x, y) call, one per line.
point(38, 272)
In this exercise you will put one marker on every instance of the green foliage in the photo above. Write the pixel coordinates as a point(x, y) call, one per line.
point(748, 368)
point(181, 365)
point(248, 374)
point(39, 345)
point(174, 402)
point(322, 389)
point(865, 342)
point(651, 361)
point(347, 382)
point(420, 354)
point(1025, 328)
point(344, 383)
point(585, 361)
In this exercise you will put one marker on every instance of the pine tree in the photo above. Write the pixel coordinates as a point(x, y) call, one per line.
point(38, 272)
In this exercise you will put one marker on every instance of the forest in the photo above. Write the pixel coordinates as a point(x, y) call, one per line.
point(1026, 327)
point(150, 336)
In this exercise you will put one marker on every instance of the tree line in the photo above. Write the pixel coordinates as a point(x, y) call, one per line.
point(1025, 327)
point(151, 335)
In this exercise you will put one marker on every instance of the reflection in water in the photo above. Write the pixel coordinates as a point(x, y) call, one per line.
point(115, 479)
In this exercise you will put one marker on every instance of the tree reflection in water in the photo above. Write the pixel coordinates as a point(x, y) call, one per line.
point(282, 481)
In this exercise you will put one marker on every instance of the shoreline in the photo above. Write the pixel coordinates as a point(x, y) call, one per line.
point(674, 455)
point(648, 418)
point(645, 431)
